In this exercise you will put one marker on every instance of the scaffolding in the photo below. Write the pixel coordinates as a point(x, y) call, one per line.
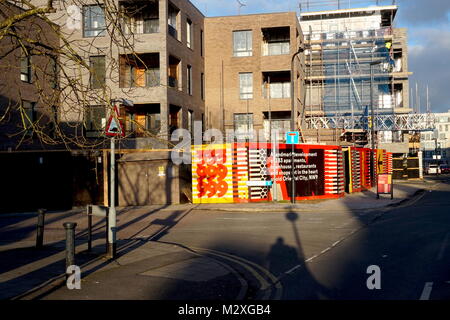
point(353, 62)
point(349, 71)
point(401, 122)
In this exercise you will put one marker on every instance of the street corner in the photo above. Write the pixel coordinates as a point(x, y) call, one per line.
point(169, 273)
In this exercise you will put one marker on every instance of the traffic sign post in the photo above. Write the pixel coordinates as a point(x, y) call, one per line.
point(293, 137)
point(113, 129)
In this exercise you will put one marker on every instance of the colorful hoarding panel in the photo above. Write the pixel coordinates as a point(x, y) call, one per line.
point(252, 172)
point(359, 167)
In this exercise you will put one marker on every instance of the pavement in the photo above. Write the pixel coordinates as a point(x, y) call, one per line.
point(148, 266)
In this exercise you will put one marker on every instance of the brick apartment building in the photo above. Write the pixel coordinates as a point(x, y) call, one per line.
point(149, 52)
point(173, 70)
point(28, 82)
point(245, 55)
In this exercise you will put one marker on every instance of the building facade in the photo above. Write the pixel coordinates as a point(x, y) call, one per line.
point(148, 52)
point(357, 60)
point(248, 72)
point(28, 85)
point(436, 145)
point(350, 51)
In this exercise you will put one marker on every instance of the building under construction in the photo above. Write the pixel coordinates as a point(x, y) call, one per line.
point(357, 77)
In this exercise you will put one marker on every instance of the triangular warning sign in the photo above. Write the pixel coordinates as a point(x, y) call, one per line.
point(114, 127)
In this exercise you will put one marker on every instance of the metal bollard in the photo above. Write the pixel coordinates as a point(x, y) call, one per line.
point(40, 228)
point(70, 243)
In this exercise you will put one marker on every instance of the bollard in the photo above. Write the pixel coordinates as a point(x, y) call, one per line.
point(70, 243)
point(40, 228)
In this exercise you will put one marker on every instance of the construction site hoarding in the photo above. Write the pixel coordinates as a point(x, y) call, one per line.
point(358, 169)
point(254, 172)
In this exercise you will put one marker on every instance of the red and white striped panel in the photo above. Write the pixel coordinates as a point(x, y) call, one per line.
point(367, 169)
point(334, 172)
point(240, 172)
point(389, 163)
point(385, 162)
point(356, 170)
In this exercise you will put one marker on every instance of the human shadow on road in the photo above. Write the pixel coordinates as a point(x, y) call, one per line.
point(289, 265)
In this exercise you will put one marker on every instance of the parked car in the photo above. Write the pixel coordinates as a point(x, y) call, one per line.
point(445, 169)
point(433, 169)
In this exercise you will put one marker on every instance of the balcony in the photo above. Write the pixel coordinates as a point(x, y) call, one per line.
point(174, 72)
point(279, 84)
point(173, 32)
point(139, 70)
point(139, 17)
point(173, 82)
point(276, 41)
point(173, 21)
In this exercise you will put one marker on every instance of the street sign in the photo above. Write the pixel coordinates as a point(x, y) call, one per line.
point(114, 127)
point(292, 137)
point(256, 183)
point(385, 185)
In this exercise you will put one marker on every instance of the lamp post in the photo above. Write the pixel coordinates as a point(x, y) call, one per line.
point(112, 229)
point(293, 116)
point(372, 126)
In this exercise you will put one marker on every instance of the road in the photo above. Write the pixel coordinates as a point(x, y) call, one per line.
point(326, 255)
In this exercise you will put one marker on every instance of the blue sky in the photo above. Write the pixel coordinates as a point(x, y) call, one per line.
point(428, 23)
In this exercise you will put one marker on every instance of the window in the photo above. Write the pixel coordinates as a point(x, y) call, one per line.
point(242, 43)
point(25, 66)
point(172, 21)
point(201, 42)
point(190, 120)
point(98, 71)
point(95, 121)
point(243, 124)
point(278, 126)
point(141, 21)
point(189, 80)
point(203, 123)
point(53, 72)
point(94, 21)
point(154, 122)
point(276, 41)
point(246, 85)
point(29, 112)
point(189, 34)
point(173, 72)
point(140, 71)
point(280, 90)
point(278, 48)
point(202, 86)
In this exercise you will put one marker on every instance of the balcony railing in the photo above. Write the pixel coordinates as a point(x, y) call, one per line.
point(173, 32)
point(173, 82)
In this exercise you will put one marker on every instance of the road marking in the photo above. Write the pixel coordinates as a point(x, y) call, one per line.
point(426, 291)
point(244, 284)
point(443, 246)
point(250, 266)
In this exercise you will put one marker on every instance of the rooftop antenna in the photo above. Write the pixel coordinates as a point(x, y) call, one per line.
point(240, 5)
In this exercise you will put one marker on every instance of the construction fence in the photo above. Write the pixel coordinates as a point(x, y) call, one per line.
point(258, 172)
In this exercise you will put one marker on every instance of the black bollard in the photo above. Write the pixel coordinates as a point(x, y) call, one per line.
point(40, 228)
point(70, 243)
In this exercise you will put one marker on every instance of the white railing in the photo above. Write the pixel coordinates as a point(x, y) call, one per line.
point(410, 122)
